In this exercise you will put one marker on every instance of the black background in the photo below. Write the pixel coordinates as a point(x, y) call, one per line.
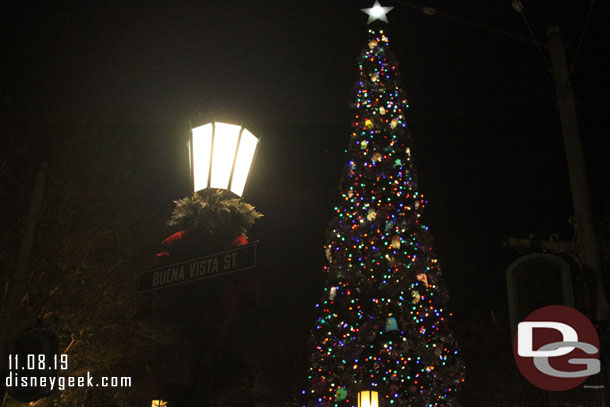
point(487, 140)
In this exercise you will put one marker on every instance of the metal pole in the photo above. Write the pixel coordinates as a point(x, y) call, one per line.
point(16, 284)
point(581, 198)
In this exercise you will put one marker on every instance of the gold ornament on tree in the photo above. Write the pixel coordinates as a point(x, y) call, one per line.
point(423, 278)
point(396, 242)
point(333, 293)
point(371, 215)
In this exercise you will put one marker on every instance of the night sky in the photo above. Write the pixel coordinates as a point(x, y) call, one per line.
point(487, 138)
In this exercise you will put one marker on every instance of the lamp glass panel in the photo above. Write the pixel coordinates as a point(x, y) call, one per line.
point(368, 399)
point(247, 146)
point(225, 143)
point(159, 403)
point(374, 399)
point(202, 146)
point(364, 399)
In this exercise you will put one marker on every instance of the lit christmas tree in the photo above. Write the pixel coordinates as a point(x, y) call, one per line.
point(382, 322)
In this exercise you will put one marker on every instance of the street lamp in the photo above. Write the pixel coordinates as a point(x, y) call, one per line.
point(368, 398)
point(159, 403)
point(220, 156)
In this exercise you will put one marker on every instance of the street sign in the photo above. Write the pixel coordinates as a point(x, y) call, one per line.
point(213, 265)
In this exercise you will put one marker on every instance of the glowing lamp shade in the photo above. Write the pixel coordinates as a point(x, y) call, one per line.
point(368, 398)
point(159, 403)
point(221, 155)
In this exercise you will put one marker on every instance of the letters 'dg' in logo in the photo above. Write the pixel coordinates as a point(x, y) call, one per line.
point(556, 348)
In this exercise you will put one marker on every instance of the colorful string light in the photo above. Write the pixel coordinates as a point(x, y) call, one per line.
point(382, 323)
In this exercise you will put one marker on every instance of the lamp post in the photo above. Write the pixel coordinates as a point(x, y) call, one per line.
point(220, 156)
point(368, 398)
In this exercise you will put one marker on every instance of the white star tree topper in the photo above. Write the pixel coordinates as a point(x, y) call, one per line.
point(377, 12)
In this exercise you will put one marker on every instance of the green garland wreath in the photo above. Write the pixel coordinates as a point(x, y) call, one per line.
point(213, 215)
